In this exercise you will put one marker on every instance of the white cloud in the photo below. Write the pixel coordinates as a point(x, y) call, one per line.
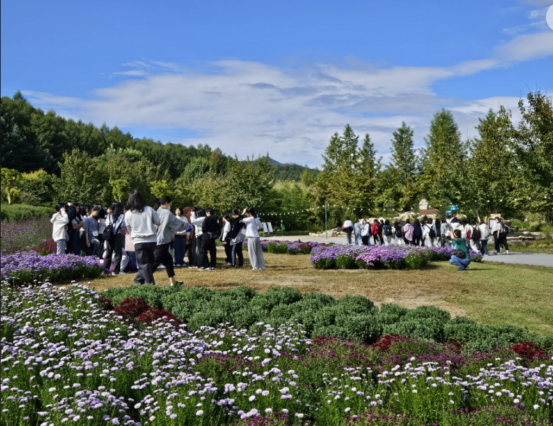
point(248, 108)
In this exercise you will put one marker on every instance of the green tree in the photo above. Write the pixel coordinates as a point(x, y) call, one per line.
point(120, 188)
point(534, 147)
point(492, 166)
point(443, 162)
point(81, 180)
point(10, 183)
point(39, 184)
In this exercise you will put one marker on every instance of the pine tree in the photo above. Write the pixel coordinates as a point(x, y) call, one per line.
point(443, 162)
point(492, 166)
point(403, 168)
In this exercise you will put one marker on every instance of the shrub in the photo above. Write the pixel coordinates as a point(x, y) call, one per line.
point(245, 318)
point(356, 304)
point(427, 329)
point(415, 261)
point(129, 309)
point(345, 261)
point(484, 338)
point(364, 328)
point(529, 351)
point(324, 263)
point(188, 294)
point(424, 312)
point(390, 313)
point(154, 314)
point(209, 318)
point(105, 303)
point(151, 294)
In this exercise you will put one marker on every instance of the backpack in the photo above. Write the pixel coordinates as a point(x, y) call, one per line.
point(108, 232)
point(399, 232)
point(387, 230)
point(475, 235)
point(432, 232)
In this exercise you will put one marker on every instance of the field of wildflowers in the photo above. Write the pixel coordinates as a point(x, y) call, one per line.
point(24, 235)
point(67, 357)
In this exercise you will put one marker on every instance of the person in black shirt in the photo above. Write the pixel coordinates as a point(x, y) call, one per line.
point(211, 231)
point(237, 236)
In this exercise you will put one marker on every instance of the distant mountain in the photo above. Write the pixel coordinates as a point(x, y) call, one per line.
point(274, 162)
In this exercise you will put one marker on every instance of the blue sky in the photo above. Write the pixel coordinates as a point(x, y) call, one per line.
point(278, 77)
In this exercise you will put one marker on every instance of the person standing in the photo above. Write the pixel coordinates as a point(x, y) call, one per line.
point(357, 229)
point(374, 232)
point(417, 233)
point(347, 227)
point(201, 248)
point(225, 239)
point(91, 232)
point(211, 232)
point(445, 231)
point(237, 237)
point(142, 220)
point(484, 235)
point(115, 223)
point(387, 233)
point(408, 232)
point(255, 251)
point(76, 225)
point(398, 234)
point(473, 236)
point(59, 220)
point(168, 224)
point(180, 238)
point(429, 233)
point(500, 236)
point(365, 233)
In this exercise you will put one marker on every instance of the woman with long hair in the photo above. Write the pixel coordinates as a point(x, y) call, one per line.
point(237, 236)
point(200, 252)
point(180, 238)
point(114, 244)
point(142, 220)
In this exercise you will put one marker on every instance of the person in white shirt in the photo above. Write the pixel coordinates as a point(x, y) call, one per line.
point(142, 220)
point(365, 232)
point(60, 219)
point(255, 251)
point(499, 232)
point(484, 235)
point(225, 239)
point(427, 227)
point(347, 227)
point(446, 231)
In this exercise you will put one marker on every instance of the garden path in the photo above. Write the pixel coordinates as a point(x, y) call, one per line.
point(533, 259)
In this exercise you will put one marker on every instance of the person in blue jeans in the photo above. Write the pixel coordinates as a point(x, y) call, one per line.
point(459, 244)
point(357, 228)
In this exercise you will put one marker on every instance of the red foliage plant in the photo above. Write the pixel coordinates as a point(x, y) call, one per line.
point(529, 351)
point(454, 345)
point(384, 342)
point(131, 308)
point(153, 314)
point(105, 303)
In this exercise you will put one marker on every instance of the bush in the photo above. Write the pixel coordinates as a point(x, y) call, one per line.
point(151, 294)
point(324, 263)
point(364, 328)
point(425, 312)
point(426, 329)
point(415, 261)
point(131, 308)
point(151, 315)
point(19, 212)
point(344, 261)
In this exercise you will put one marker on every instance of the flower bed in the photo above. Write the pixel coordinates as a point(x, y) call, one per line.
point(67, 360)
point(380, 257)
point(351, 317)
point(287, 247)
point(29, 267)
point(21, 236)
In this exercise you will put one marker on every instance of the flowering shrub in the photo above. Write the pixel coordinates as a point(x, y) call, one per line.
point(29, 267)
point(131, 308)
point(105, 303)
point(66, 360)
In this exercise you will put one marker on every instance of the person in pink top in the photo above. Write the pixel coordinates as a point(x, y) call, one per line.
point(408, 232)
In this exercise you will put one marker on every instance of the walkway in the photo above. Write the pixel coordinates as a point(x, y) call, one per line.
point(535, 259)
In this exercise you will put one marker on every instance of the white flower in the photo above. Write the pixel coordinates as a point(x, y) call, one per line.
point(252, 398)
point(347, 410)
point(199, 413)
point(536, 407)
point(268, 410)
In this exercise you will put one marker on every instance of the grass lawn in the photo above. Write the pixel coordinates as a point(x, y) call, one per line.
point(487, 293)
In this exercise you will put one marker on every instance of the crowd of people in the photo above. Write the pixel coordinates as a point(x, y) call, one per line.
point(448, 232)
point(142, 239)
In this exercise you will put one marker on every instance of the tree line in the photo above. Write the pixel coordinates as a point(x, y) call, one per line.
point(505, 169)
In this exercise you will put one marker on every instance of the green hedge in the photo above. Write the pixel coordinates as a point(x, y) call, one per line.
point(17, 212)
point(351, 317)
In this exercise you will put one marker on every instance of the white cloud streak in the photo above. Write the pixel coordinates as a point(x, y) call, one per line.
point(248, 108)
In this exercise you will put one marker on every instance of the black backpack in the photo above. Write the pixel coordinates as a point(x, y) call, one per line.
point(432, 232)
point(475, 235)
point(108, 232)
point(399, 232)
point(387, 230)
